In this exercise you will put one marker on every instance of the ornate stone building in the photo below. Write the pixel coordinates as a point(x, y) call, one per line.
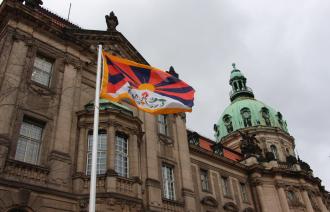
point(145, 162)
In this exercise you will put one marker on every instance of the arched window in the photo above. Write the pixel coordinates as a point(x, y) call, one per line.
point(265, 116)
point(235, 86)
point(273, 149)
point(228, 123)
point(246, 116)
point(240, 85)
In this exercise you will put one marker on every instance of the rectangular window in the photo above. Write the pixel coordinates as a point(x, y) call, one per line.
point(168, 182)
point(244, 192)
point(121, 162)
point(101, 163)
point(29, 141)
point(42, 70)
point(162, 124)
point(204, 180)
point(225, 186)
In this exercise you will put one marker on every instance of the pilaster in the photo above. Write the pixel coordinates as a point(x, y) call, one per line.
point(282, 196)
point(307, 201)
point(11, 77)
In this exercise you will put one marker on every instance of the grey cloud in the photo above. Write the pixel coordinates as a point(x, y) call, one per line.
point(281, 47)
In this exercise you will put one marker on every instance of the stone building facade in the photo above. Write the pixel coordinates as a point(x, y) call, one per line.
point(145, 162)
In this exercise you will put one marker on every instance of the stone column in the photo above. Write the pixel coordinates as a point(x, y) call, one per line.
point(11, 80)
point(82, 151)
point(283, 199)
point(111, 148)
point(307, 201)
point(151, 163)
point(59, 159)
point(185, 164)
point(64, 120)
point(134, 163)
point(321, 204)
point(258, 184)
point(81, 162)
point(134, 156)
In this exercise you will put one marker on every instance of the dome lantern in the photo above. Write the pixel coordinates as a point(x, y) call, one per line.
point(238, 84)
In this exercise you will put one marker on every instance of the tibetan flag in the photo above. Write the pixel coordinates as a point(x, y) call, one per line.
point(148, 88)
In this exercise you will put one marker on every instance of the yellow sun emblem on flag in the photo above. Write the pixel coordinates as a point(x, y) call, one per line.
point(147, 86)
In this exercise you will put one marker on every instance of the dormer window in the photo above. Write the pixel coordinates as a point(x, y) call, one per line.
point(280, 119)
point(228, 123)
point(265, 116)
point(246, 116)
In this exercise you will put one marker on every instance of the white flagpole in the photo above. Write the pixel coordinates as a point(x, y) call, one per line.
point(92, 194)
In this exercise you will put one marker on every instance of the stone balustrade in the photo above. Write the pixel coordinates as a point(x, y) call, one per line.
point(25, 172)
point(124, 186)
point(114, 184)
point(100, 183)
point(172, 206)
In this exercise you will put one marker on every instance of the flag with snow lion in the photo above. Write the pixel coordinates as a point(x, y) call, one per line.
point(148, 88)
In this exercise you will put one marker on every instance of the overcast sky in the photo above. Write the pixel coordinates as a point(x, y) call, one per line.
point(282, 47)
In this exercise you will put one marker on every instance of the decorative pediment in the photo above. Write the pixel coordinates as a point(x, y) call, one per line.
point(210, 201)
point(230, 206)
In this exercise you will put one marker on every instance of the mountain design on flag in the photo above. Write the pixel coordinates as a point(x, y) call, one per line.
point(148, 88)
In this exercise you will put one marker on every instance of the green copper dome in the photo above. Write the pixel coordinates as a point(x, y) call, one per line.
point(245, 111)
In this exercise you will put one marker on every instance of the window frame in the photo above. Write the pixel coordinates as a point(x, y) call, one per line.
point(168, 185)
point(89, 152)
point(204, 179)
point(244, 192)
point(163, 124)
point(225, 184)
point(50, 73)
point(36, 123)
point(119, 153)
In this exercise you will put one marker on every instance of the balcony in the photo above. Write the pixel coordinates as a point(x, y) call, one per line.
point(246, 91)
point(172, 206)
point(25, 172)
point(114, 184)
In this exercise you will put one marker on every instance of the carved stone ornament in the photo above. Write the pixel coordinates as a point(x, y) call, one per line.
point(217, 148)
point(230, 206)
point(249, 145)
point(280, 184)
point(210, 201)
point(83, 203)
point(112, 21)
point(249, 209)
point(256, 182)
point(33, 3)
